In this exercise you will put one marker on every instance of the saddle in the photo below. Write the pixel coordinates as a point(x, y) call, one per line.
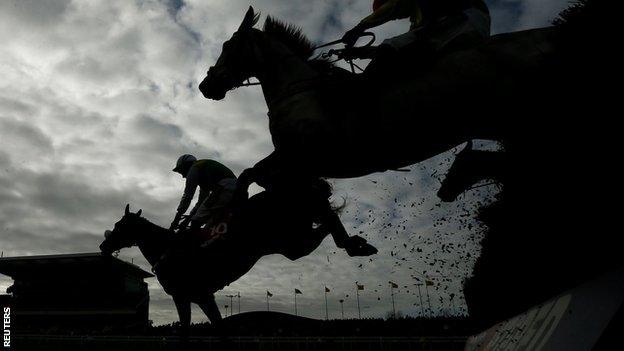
point(190, 243)
point(413, 52)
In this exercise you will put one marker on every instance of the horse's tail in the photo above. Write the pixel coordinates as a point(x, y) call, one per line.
point(322, 188)
point(328, 189)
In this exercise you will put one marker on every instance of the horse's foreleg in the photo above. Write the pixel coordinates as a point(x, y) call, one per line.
point(336, 228)
point(268, 170)
point(262, 173)
point(183, 305)
point(210, 308)
point(354, 245)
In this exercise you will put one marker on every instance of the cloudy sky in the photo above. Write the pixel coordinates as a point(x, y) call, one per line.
point(99, 98)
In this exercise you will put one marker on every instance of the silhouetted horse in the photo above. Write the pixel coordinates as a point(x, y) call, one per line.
point(327, 122)
point(286, 221)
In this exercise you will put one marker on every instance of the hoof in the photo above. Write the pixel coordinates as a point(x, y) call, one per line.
point(357, 246)
point(446, 195)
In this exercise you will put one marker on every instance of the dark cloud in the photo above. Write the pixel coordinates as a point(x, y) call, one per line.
point(31, 13)
point(25, 134)
point(13, 106)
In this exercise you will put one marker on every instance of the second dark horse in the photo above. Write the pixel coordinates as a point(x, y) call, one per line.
point(291, 222)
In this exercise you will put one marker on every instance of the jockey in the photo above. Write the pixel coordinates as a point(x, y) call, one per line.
point(216, 188)
point(440, 21)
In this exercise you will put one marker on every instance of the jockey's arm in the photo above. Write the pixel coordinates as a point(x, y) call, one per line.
point(192, 181)
point(203, 195)
point(391, 10)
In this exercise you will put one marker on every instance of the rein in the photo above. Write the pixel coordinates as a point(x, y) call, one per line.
point(307, 84)
point(339, 53)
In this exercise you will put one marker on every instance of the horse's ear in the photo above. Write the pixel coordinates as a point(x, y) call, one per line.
point(139, 213)
point(250, 20)
point(127, 208)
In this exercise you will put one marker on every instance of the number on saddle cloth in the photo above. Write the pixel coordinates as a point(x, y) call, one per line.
point(209, 234)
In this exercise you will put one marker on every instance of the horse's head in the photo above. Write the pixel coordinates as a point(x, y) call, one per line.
point(123, 234)
point(233, 65)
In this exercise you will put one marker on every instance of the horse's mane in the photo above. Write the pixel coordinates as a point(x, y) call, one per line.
point(152, 226)
point(292, 36)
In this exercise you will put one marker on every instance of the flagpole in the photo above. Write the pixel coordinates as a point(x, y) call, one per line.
point(392, 296)
point(268, 309)
point(326, 309)
point(296, 303)
point(428, 299)
point(452, 299)
point(357, 295)
point(239, 302)
point(342, 308)
point(231, 303)
point(422, 309)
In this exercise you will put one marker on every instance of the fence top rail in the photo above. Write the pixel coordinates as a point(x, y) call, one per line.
point(242, 338)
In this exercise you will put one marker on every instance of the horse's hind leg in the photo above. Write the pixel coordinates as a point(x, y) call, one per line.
point(210, 308)
point(183, 305)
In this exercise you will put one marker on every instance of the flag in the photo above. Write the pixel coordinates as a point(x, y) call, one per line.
point(341, 300)
point(359, 287)
point(428, 282)
point(269, 294)
point(326, 289)
point(297, 291)
point(393, 285)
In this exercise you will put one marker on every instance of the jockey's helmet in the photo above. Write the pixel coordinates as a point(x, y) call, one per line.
point(183, 162)
point(378, 3)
